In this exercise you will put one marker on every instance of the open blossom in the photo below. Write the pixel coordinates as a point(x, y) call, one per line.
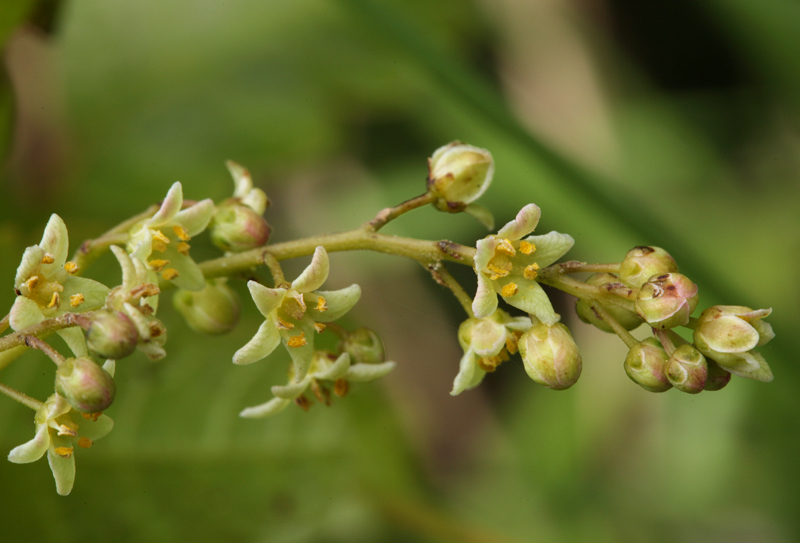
point(507, 265)
point(59, 429)
point(162, 241)
point(47, 287)
point(294, 313)
point(487, 342)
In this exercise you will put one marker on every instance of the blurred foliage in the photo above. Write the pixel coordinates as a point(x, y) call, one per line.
point(628, 123)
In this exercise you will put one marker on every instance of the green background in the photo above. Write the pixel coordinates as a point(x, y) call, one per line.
point(628, 124)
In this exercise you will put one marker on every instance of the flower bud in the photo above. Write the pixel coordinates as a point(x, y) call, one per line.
point(666, 301)
point(687, 369)
point(458, 174)
point(646, 364)
point(717, 378)
point(236, 227)
point(111, 334)
point(364, 346)
point(213, 310)
point(642, 263)
point(86, 386)
point(550, 355)
point(628, 319)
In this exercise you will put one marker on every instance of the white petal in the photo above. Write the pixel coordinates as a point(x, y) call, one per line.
point(336, 370)
point(256, 200)
point(339, 302)
point(63, 471)
point(195, 219)
point(24, 313)
point(128, 269)
point(481, 213)
point(469, 375)
point(275, 405)
point(315, 274)
point(261, 346)
point(485, 302)
point(292, 390)
point(267, 299)
point(30, 264)
point(484, 252)
point(523, 224)
point(169, 207)
point(34, 449)
point(532, 299)
point(550, 247)
point(55, 240)
point(241, 179)
point(368, 372)
point(94, 430)
point(110, 366)
point(75, 340)
point(488, 338)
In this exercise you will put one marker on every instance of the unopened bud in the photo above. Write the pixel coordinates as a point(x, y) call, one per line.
point(687, 369)
point(642, 263)
point(666, 301)
point(213, 310)
point(628, 319)
point(365, 346)
point(458, 174)
point(550, 355)
point(236, 227)
point(717, 378)
point(645, 365)
point(86, 386)
point(111, 334)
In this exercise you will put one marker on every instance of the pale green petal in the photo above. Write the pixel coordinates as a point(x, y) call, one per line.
point(126, 264)
point(336, 370)
point(256, 200)
point(315, 274)
point(481, 213)
point(143, 245)
point(523, 224)
point(469, 375)
point(75, 340)
point(488, 338)
point(765, 333)
point(24, 313)
point(302, 355)
point(729, 334)
point(195, 219)
point(31, 261)
point(267, 299)
point(94, 294)
point(34, 449)
point(292, 390)
point(484, 252)
point(518, 324)
point(275, 405)
point(339, 302)
point(241, 179)
point(63, 471)
point(485, 302)
point(152, 350)
point(110, 366)
point(550, 247)
point(94, 430)
point(261, 346)
point(532, 299)
point(58, 406)
point(750, 365)
point(368, 372)
point(139, 320)
point(55, 242)
point(169, 207)
point(189, 277)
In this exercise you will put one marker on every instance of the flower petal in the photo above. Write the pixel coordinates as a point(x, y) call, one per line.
point(750, 365)
point(729, 334)
point(481, 213)
point(34, 449)
point(338, 303)
point(532, 299)
point(292, 390)
point(301, 354)
point(485, 302)
point(63, 471)
point(31, 261)
point(484, 252)
point(24, 313)
point(110, 366)
point(169, 207)
point(189, 277)
point(368, 372)
point(523, 224)
point(550, 247)
point(261, 346)
point(75, 340)
point(336, 370)
point(256, 200)
point(518, 324)
point(315, 274)
point(241, 179)
point(128, 269)
point(488, 338)
point(469, 375)
point(195, 219)
point(142, 246)
point(94, 293)
point(275, 405)
point(94, 430)
point(267, 299)
point(55, 241)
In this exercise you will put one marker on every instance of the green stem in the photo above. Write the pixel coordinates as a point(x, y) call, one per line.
point(21, 397)
point(44, 327)
point(612, 294)
point(391, 213)
point(443, 277)
point(623, 334)
point(692, 324)
point(275, 269)
point(36, 343)
point(573, 266)
point(4, 323)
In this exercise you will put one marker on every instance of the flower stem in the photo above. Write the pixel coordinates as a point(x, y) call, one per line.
point(611, 294)
point(443, 277)
point(44, 327)
point(275, 269)
point(21, 397)
point(391, 213)
point(4, 323)
point(623, 334)
point(573, 266)
point(36, 343)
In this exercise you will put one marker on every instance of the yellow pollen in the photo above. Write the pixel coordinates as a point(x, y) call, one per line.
point(505, 247)
point(68, 429)
point(322, 305)
point(297, 341)
point(32, 282)
point(169, 274)
point(159, 235)
point(145, 290)
point(71, 267)
point(76, 299)
point(92, 416)
point(159, 246)
point(64, 452)
point(85, 443)
point(183, 248)
point(497, 272)
point(509, 290)
point(48, 258)
point(526, 247)
point(530, 271)
point(157, 264)
point(181, 232)
point(319, 327)
point(511, 344)
point(54, 301)
point(283, 325)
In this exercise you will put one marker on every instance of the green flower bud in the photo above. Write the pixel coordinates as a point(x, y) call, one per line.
point(687, 369)
point(213, 310)
point(628, 319)
point(642, 263)
point(236, 227)
point(458, 174)
point(111, 334)
point(717, 378)
point(364, 346)
point(86, 386)
point(550, 355)
point(666, 301)
point(646, 363)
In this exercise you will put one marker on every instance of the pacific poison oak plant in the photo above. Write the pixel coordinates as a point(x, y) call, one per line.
point(102, 324)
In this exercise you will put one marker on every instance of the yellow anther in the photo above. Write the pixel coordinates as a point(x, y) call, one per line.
point(509, 290)
point(145, 290)
point(76, 299)
point(71, 267)
point(181, 232)
point(505, 247)
point(92, 416)
point(322, 305)
point(530, 271)
point(497, 272)
point(85, 443)
point(169, 274)
point(32, 282)
point(341, 387)
point(159, 246)
point(302, 402)
point(54, 301)
point(297, 341)
point(68, 429)
point(48, 258)
point(64, 452)
point(183, 248)
point(283, 325)
point(512, 344)
point(526, 247)
point(319, 327)
point(159, 236)
point(157, 264)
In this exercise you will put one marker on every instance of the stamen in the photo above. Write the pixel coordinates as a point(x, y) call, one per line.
point(32, 282)
point(48, 258)
point(68, 429)
point(322, 304)
point(76, 299)
point(85, 443)
point(156, 329)
point(63, 452)
point(159, 246)
point(526, 247)
point(181, 232)
point(297, 341)
point(169, 274)
point(341, 387)
point(159, 235)
point(283, 325)
point(92, 416)
point(145, 291)
point(530, 271)
point(509, 290)
point(54, 301)
point(497, 272)
point(512, 344)
point(319, 327)
point(302, 402)
point(157, 264)
point(322, 394)
point(505, 247)
point(71, 267)
point(183, 248)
